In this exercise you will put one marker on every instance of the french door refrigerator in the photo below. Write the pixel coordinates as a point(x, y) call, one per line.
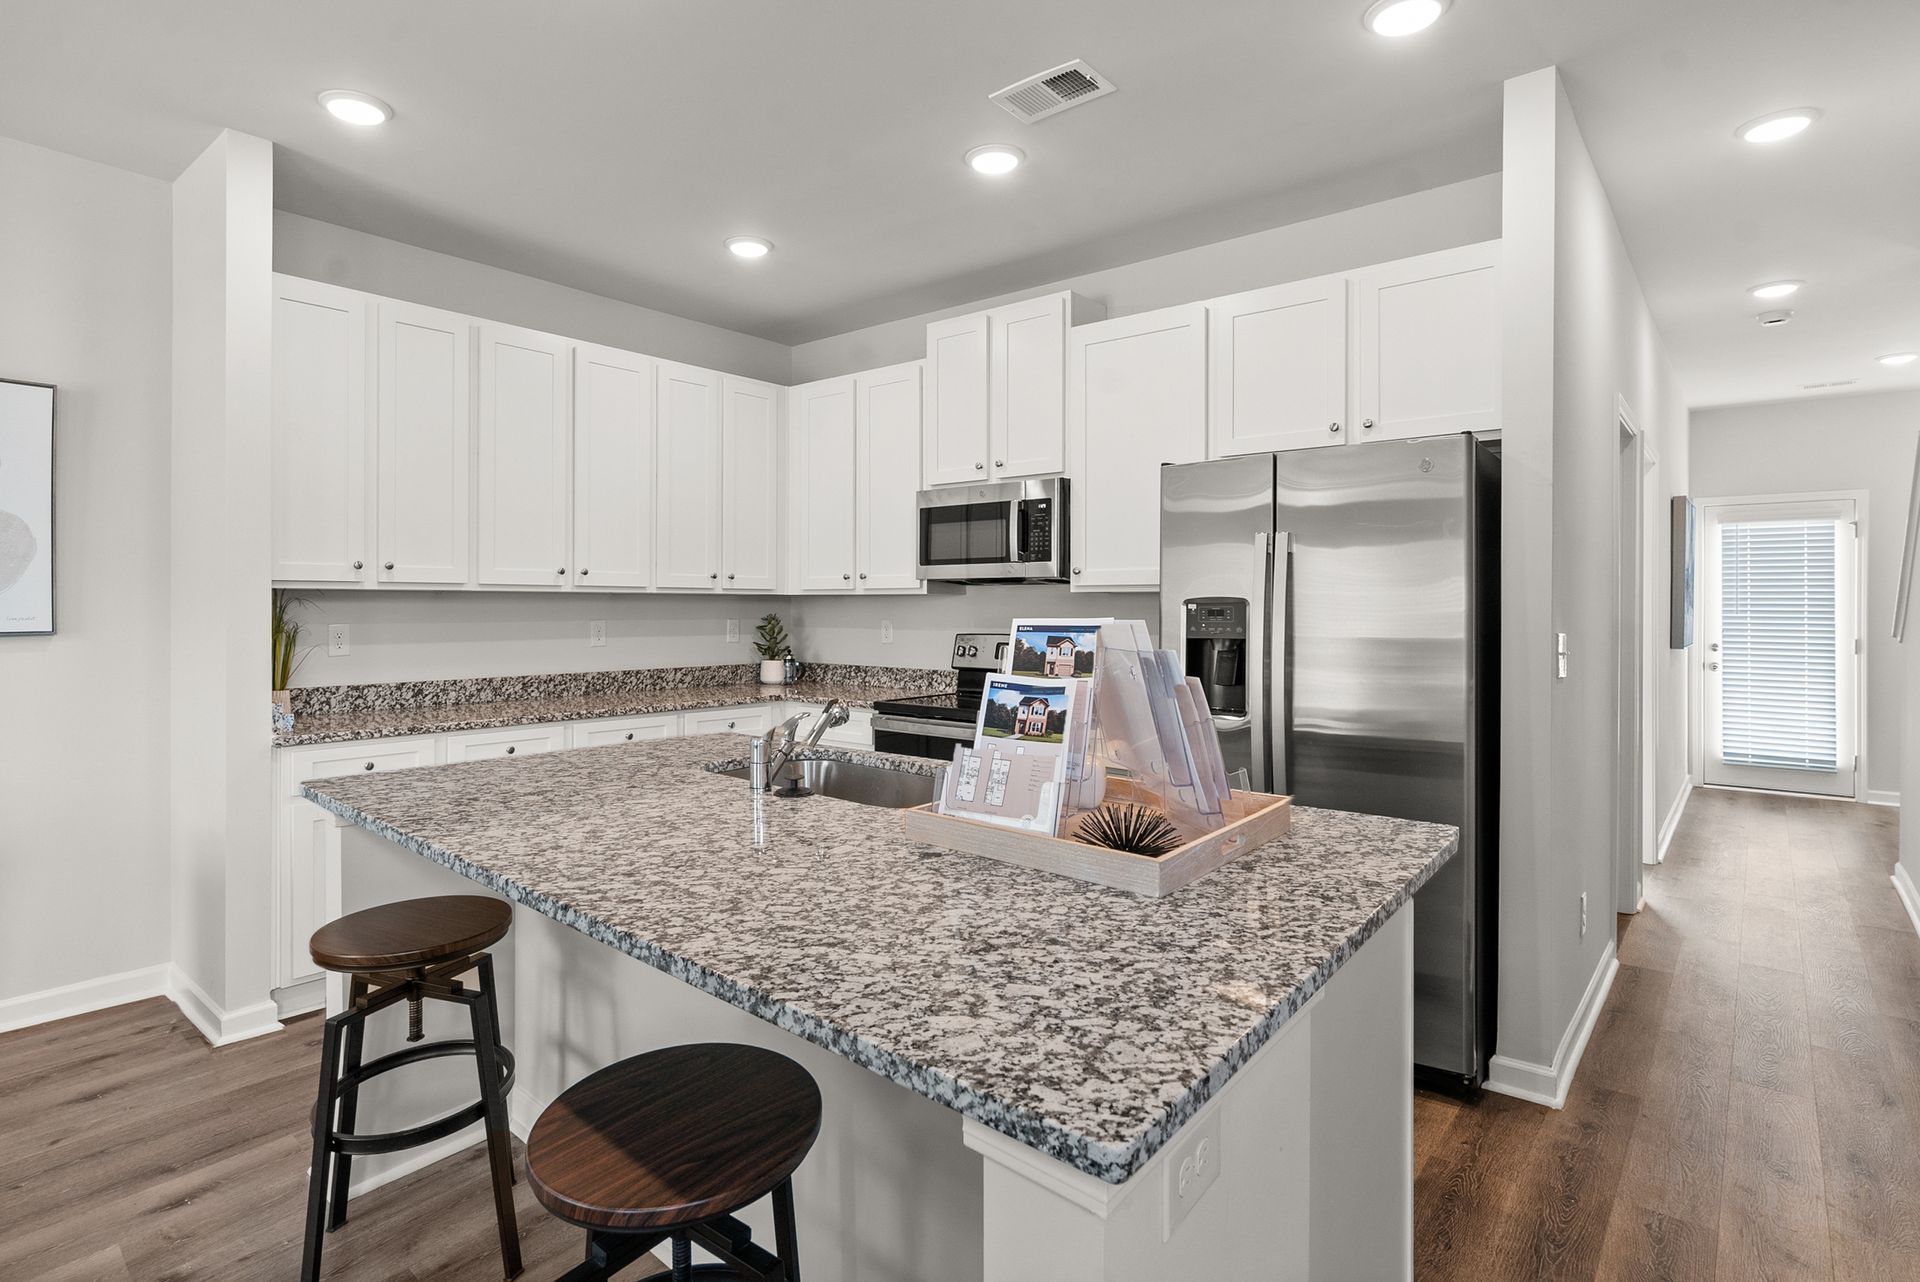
point(1341, 607)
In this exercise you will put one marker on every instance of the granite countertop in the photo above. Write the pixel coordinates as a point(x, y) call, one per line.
point(338, 714)
point(1084, 1022)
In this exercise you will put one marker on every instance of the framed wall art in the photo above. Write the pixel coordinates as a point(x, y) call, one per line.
point(26, 508)
point(1686, 542)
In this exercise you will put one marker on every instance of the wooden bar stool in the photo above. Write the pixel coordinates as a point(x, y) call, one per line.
point(409, 951)
point(666, 1146)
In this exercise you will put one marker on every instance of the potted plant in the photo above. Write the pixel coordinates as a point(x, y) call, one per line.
point(286, 656)
point(771, 640)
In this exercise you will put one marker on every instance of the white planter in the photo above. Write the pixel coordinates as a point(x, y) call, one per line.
point(773, 672)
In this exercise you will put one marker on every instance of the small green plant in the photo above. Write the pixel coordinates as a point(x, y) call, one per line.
point(771, 639)
point(286, 637)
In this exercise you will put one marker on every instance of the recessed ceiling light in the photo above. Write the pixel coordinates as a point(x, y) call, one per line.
point(356, 108)
point(1899, 358)
point(1780, 125)
point(1402, 17)
point(1776, 289)
point(750, 246)
point(995, 159)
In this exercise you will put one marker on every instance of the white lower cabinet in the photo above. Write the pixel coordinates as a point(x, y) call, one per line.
point(856, 734)
point(754, 719)
point(609, 730)
point(304, 896)
point(514, 741)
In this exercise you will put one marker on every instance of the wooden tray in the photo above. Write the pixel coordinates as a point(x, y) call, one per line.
point(1253, 819)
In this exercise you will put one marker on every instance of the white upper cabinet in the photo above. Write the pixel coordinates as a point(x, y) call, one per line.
point(1277, 368)
point(525, 484)
point(320, 394)
point(886, 478)
point(1428, 349)
point(424, 445)
point(750, 489)
point(955, 431)
point(1136, 398)
point(612, 469)
point(824, 484)
point(996, 381)
point(687, 489)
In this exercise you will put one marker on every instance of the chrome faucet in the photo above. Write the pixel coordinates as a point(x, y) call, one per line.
point(832, 713)
point(783, 741)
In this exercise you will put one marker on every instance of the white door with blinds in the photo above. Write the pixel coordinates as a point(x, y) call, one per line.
point(1779, 617)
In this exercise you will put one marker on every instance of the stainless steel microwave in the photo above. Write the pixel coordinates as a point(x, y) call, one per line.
point(1009, 530)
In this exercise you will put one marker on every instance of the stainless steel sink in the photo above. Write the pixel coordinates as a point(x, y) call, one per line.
point(854, 781)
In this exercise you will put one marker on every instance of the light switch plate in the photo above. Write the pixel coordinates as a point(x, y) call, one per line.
point(597, 632)
point(886, 632)
point(337, 647)
point(1193, 1165)
point(733, 631)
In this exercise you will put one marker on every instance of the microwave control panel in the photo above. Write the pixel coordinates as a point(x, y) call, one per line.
point(1036, 532)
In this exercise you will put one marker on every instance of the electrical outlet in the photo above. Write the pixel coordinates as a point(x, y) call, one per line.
point(1192, 1167)
point(337, 647)
point(886, 632)
point(733, 631)
point(597, 632)
point(1583, 914)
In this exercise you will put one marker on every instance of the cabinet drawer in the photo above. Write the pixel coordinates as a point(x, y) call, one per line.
point(757, 719)
point(333, 760)
point(515, 741)
point(595, 734)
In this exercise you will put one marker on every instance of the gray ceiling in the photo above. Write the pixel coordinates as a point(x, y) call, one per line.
point(612, 145)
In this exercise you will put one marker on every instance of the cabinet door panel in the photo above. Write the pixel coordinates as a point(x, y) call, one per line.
point(955, 432)
point(524, 481)
point(612, 730)
point(888, 465)
point(1277, 368)
point(757, 719)
point(612, 469)
point(319, 432)
point(1429, 345)
point(514, 741)
point(1137, 398)
point(823, 446)
point(1028, 360)
point(687, 492)
point(424, 442)
point(750, 486)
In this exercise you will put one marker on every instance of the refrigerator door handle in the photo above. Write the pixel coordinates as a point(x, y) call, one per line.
point(1279, 715)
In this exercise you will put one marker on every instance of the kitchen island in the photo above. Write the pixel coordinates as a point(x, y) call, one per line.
point(1024, 1076)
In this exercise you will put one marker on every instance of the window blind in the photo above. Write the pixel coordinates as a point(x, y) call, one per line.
point(1779, 655)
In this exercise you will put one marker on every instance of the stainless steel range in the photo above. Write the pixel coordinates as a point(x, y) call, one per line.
point(929, 725)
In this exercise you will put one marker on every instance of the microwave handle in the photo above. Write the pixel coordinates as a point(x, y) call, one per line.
point(1022, 539)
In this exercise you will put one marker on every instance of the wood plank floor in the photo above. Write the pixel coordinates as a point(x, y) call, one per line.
point(1749, 1104)
point(131, 1151)
point(1746, 1109)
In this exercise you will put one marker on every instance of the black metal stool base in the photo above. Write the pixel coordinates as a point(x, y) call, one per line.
point(742, 1259)
point(335, 1144)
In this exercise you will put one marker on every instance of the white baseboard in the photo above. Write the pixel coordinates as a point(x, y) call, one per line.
point(301, 998)
point(1548, 1083)
point(84, 997)
point(1909, 893)
point(1881, 797)
point(220, 1027)
point(1671, 824)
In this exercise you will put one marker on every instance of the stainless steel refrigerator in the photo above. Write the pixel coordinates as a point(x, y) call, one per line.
point(1341, 607)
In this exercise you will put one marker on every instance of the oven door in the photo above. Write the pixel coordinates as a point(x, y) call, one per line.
point(919, 737)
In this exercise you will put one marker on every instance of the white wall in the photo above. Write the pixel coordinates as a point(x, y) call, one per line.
point(321, 251)
point(1861, 442)
point(847, 629)
point(1462, 213)
point(1571, 292)
point(83, 753)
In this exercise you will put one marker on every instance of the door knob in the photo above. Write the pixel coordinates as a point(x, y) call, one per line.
point(1334, 428)
point(1714, 646)
point(1713, 667)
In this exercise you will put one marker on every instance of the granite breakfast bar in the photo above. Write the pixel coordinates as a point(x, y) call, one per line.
point(1024, 1076)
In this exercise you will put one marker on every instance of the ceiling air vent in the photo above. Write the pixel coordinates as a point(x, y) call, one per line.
point(1814, 387)
point(1052, 92)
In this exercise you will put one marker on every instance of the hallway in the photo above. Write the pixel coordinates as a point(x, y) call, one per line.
point(1747, 1106)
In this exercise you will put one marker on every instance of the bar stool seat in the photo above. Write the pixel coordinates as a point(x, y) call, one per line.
point(413, 951)
point(666, 1146)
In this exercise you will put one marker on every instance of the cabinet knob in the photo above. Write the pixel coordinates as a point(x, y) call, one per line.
point(979, 467)
point(730, 725)
point(1366, 425)
point(863, 574)
point(849, 576)
point(1076, 569)
point(389, 565)
point(729, 578)
point(369, 765)
point(359, 565)
point(629, 735)
point(714, 575)
point(1334, 428)
point(509, 750)
point(561, 570)
point(583, 574)
point(999, 462)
